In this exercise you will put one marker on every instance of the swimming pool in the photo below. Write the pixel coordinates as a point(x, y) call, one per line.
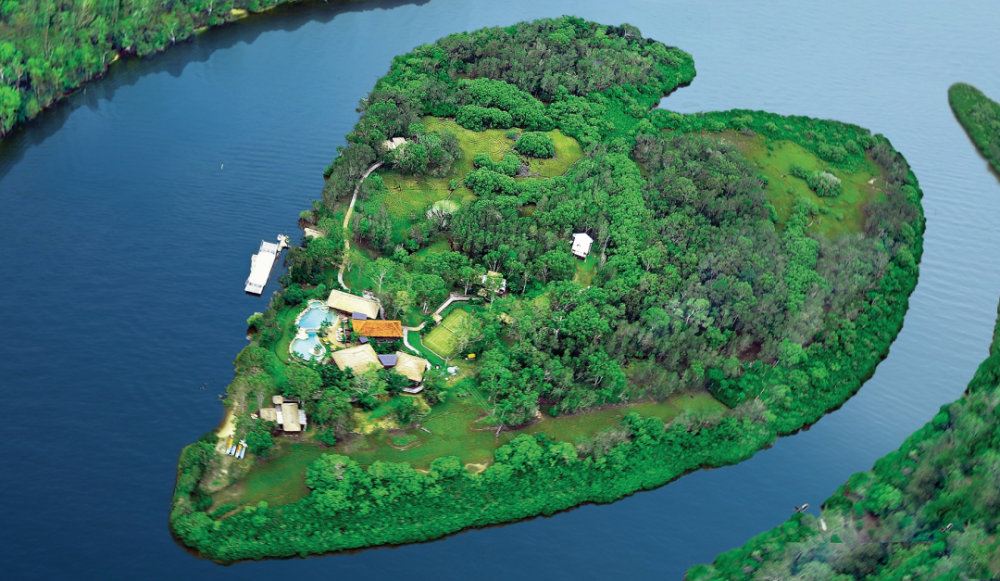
point(308, 348)
point(314, 316)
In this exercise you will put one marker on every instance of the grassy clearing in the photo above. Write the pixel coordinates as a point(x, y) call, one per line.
point(408, 197)
point(568, 151)
point(843, 214)
point(441, 339)
point(279, 480)
point(491, 141)
point(585, 271)
point(453, 432)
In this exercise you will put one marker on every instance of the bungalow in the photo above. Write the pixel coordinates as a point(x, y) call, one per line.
point(501, 288)
point(286, 413)
point(581, 244)
point(379, 330)
point(357, 359)
point(391, 144)
point(349, 304)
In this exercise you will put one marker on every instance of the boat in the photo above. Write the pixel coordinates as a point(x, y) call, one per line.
point(243, 451)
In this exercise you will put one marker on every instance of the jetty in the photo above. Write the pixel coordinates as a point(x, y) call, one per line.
point(262, 262)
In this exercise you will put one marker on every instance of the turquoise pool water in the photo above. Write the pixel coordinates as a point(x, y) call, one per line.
point(305, 348)
point(315, 316)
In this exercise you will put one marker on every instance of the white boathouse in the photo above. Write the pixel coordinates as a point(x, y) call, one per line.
point(262, 262)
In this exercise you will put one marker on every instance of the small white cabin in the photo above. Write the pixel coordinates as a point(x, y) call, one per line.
point(582, 244)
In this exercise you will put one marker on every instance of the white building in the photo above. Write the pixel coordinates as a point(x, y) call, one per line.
point(581, 244)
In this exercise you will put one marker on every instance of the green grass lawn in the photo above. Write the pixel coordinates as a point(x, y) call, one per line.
point(585, 271)
point(279, 480)
point(844, 213)
point(568, 151)
point(491, 141)
point(441, 339)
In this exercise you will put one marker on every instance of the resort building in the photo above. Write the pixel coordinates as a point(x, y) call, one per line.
point(349, 304)
point(378, 330)
point(286, 413)
point(581, 244)
point(357, 359)
point(412, 368)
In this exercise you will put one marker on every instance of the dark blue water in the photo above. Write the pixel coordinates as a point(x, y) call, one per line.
point(126, 244)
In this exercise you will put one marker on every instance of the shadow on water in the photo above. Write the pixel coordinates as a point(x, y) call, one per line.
point(198, 48)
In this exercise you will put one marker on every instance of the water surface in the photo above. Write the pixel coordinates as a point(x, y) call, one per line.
point(129, 215)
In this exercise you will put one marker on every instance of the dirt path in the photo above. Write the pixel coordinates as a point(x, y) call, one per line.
point(347, 220)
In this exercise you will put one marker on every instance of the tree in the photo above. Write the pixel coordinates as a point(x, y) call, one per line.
point(535, 144)
point(259, 439)
point(380, 269)
point(303, 383)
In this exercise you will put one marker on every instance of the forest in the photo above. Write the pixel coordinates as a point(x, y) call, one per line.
point(48, 48)
point(929, 510)
point(980, 117)
point(762, 259)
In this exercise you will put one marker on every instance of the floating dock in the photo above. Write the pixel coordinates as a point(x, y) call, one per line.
point(262, 262)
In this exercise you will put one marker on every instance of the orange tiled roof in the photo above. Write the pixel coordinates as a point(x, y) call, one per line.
point(378, 329)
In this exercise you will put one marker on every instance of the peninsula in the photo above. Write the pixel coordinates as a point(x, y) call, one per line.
point(526, 287)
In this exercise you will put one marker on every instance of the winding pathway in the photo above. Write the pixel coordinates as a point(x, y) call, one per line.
point(347, 219)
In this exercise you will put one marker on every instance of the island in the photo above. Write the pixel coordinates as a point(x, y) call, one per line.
point(930, 509)
point(527, 287)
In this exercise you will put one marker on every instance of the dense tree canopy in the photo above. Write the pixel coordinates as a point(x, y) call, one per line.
point(48, 48)
point(980, 116)
point(930, 510)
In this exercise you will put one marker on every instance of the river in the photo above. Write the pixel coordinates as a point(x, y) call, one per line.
point(130, 213)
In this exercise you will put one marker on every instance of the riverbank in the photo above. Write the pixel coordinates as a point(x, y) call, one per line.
point(77, 56)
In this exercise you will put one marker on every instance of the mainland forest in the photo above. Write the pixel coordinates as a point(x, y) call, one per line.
point(980, 117)
point(748, 272)
point(48, 48)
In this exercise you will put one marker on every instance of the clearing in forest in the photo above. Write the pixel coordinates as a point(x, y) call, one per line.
point(843, 214)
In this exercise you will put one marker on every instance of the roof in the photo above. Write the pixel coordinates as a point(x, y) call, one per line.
point(387, 360)
point(391, 144)
point(290, 413)
point(378, 329)
point(357, 358)
point(260, 266)
point(269, 414)
point(410, 366)
point(582, 243)
point(348, 303)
